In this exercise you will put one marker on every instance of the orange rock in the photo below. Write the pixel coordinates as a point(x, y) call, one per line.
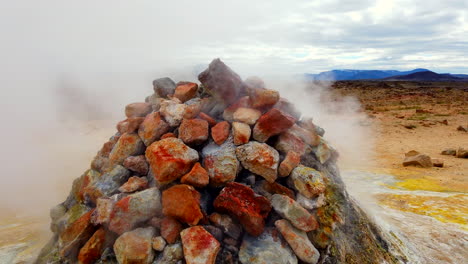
point(289, 163)
point(76, 235)
point(247, 115)
point(193, 131)
point(183, 203)
point(134, 184)
point(241, 133)
point(272, 123)
point(276, 188)
point(211, 121)
point(92, 250)
point(129, 125)
point(152, 128)
point(168, 135)
point(228, 113)
point(200, 247)
point(220, 132)
point(127, 145)
point(186, 91)
point(289, 142)
point(170, 229)
point(138, 109)
point(263, 98)
point(197, 177)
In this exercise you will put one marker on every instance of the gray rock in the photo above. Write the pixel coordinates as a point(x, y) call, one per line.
point(311, 204)
point(173, 112)
point(450, 152)
point(56, 213)
point(269, 247)
point(294, 212)
point(164, 86)
point(220, 162)
point(171, 254)
point(298, 241)
point(260, 159)
point(323, 151)
point(135, 246)
point(227, 225)
point(307, 181)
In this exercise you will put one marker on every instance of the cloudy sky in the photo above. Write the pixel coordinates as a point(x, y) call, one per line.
point(287, 36)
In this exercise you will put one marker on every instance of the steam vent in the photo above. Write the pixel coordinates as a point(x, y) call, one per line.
point(225, 171)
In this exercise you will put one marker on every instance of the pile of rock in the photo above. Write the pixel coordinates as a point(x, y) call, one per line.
point(222, 172)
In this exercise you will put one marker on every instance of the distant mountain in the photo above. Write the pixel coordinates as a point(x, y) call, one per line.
point(339, 75)
point(425, 76)
point(464, 76)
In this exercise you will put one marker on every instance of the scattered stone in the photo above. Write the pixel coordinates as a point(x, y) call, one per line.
point(127, 145)
point(164, 87)
point(134, 209)
point(227, 225)
point(247, 115)
point(152, 128)
point(220, 162)
point(133, 184)
point(461, 128)
point(186, 91)
point(228, 113)
point(183, 203)
point(102, 214)
point(411, 153)
point(170, 159)
point(290, 162)
point(197, 177)
point(260, 159)
point(137, 164)
point(172, 254)
point(242, 203)
point(269, 247)
point(220, 132)
point(138, 110)
point(158, 243)
point(276, 188)
point(298, 241)
point(170, 229)
point(409, 126)
point(173, 111)
point(462, 153)
point(129, 125)
point(241, 133)
point(220, 81)
point(420, 160)
point(211, 121)
point(307, 181)
point(92, 250)
point(272, 123)
point(135, 246)
point(193, 131)
point(437, 163)
point(450, 152)
point(200, 247)
point(294, 212)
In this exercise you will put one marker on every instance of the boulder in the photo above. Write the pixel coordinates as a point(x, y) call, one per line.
point(272, 123)
point(173, 111)
point(298, 241)
point(164, 87)
point(241, 133)
point(242, 203)
point(420, 160)
point(462, 153)
point(288, 142)
point(138, 110)
point(437, 163)
point(133, 184)
point(322, 151)
point(294, 212)
point(449, 151)
point(200, 247)
point(263, 98)
point(290, 162)
point(106, 185)
point(152, 128)
point(137, 164)
point(76, 235)
point(246, 115)
point(183, 203)
point(102, 214)
point(193, 131)
point(135, 246)
point(260, 159)
point(134, 209)
point(307, 181)
point(185, 91)
point(197, 177)
point(267, 248)
point(220, 132)
point(220, 162)
point(170, 159)
point(221, 82)
point(92, 250)
point(127, 145)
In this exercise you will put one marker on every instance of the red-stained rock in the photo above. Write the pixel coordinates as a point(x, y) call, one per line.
point(135, 209)
point(272, 123)
point(193, 107)
point(193, 131)
point(200, 247)
point(228, 113)
point(134, 184)
point(108, 146)
point(104, 208)
point(152, 128)
point(220, 132)
point(138, 109)
point(242, 203)
point(276, 188)
point(76, 235)
point(135, 247)
point(211, 121)
point(241, 133)
point(220, 162)
point(260, 159)
point(289, 209)
point(92, 250)
point(197, 177)
point(168, 135)
point(290, 162)
point(223, 83)
point(246, 115)
point(289, 142)
point(263, 98)
point(129, 125)
point(186, 91)
point(287, 107)
point(170, 159)
point(309, 136)
point(127, 145)
point(137, 164)
point(170, 229)
point(183, 203)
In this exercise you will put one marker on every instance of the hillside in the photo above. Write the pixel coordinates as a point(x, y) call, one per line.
point(425, 76)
